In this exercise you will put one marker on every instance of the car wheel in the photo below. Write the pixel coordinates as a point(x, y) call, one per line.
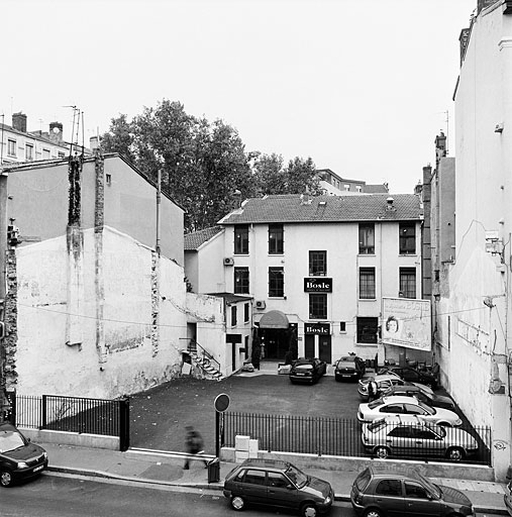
point(308, 510)
point(237, 503)
point(6, 478)
point(455, 454)
point(373, 512)
point(381, 452)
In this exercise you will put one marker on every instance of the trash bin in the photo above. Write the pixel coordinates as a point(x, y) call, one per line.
point(214, 471)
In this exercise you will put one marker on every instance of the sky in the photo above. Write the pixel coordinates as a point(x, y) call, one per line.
point(361, 86)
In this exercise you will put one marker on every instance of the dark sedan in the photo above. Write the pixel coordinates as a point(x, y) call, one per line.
point(349, 367)
point(307, 370)
point(422, 393)
point(412, 375)
point(19, 458)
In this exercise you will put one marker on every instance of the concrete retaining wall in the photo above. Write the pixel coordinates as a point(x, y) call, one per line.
point(66, 438)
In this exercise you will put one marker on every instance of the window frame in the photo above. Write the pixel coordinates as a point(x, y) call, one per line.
point(367, 283)
point(29, 151)
point(366, 230)
point(241, 239)
point(275, 292)
point(247, 312)
point(368, 322)
point(405, 275)
point(315, 266)
point(406, 237)
point(11, 147)
point(275, 239)
point(234, 315)
point(318, 300)
point(241, 280)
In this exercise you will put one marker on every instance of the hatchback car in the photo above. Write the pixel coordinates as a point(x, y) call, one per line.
point(396, 405)
point(307, 370)
point(349, 367)
point(381, 492)
point(410, 436)
point(422, 393)
point(278, 484)
point(19, 458)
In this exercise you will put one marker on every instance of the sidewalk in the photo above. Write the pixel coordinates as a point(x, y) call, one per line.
point(166, 469)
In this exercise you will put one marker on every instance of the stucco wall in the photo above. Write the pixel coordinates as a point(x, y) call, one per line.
point(118, 353)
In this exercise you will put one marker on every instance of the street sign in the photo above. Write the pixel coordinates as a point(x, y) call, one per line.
point(221, 402)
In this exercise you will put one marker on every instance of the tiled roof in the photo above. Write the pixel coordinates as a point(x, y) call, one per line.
point(195, 239)
point(375, 189)
point(304, 209)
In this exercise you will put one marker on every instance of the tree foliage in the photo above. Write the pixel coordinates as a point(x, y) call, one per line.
point(204, 166)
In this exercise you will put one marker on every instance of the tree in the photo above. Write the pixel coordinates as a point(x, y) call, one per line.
point(119, 139)
point(269, 175)
point(301, 177)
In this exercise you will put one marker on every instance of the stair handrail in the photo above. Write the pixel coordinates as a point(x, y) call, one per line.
point(206, 356)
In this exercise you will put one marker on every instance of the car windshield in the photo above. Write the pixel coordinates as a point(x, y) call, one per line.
point(376, 403)
point(10, 440)
point(304, 366)
point(437, 429)
point(429, 409)
point(431, 487)
point(298, 477)
point(347, 360)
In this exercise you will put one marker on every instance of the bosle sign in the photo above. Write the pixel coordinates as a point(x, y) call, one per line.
point(317, 285)
point(317, 328)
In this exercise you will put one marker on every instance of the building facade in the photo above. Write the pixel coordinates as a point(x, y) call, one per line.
point(318, 268)
point(335, 185)
point(472, 301)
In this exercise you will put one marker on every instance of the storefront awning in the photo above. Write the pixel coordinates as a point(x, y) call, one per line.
point(274, 320)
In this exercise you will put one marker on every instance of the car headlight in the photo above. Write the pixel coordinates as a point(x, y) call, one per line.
point(45, 455)
point(328, 500)
point(457, 422)
point(22, 465)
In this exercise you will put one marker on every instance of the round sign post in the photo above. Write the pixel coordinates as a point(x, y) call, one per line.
point(221, 403)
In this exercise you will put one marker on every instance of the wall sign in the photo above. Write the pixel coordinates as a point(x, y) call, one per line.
point(323, 329)
point(317, 285)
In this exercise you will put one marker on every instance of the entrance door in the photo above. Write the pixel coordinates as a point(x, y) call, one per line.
point(309, 346)
point(325, 349)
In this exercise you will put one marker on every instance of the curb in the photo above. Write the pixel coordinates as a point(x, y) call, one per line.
point(208, 486)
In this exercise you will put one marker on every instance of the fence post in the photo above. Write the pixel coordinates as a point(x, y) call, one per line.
point(124, 423)
point(43, 411)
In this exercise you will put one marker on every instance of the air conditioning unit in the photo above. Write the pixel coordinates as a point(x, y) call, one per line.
point(260, 304)
point(228, 261)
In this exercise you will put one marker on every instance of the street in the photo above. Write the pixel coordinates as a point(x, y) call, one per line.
point(58, 496)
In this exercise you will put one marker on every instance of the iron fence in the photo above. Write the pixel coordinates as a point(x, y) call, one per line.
point(341, 437)
point(75, 414)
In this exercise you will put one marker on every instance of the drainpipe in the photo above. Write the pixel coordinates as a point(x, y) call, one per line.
point(158, 203)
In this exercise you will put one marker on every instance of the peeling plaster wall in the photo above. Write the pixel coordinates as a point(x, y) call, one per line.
point(117, 354)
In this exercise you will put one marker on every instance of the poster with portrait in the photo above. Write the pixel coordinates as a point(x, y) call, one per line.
point(406, 323)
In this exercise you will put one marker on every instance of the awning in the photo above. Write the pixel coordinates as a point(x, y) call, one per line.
point(274, 320)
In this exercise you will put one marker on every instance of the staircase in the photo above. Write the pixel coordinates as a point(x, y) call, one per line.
point(203, 360)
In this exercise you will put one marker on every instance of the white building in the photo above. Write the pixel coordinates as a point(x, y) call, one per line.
point(317, 268)
point(473, 308)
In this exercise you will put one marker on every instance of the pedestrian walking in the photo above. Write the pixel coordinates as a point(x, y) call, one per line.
point(194, 445)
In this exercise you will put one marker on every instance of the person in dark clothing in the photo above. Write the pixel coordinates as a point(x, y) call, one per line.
point(372, 391)
point(256, 355)
point(194, 445)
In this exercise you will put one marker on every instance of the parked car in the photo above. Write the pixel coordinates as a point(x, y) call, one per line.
point(19, 458)
point(396, 405)
point(382, 492)
point(305, 369)
point(508, 497)
point(384, 382)
point(278, 484)
point(349, 367)
point(422, 393)
point(410, 374)
point(411, 436)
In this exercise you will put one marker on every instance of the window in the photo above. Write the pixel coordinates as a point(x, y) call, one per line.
point(277, 480)
point(367, 239)
point(367, 329)
point(391, 487)
point(415, 491)
point(367, 283)
point(247, 314)
point(233, 315)
point(275, 282)
point(318, 306)
point(407, 239)
point(46, 154)
point(255, 477)
point(408, 282)
point(29, 152)
point(108, 179)
point(317, 263)
point(275, 239)
point(241, 239)
point(60, 154)
point(241, 280)
point(11, 147)
point(343, 326)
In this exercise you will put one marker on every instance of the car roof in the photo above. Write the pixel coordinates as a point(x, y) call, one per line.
point(7, 426)
point(403, 419)
point(399, 399)
point(263, 463)
point(384, 471)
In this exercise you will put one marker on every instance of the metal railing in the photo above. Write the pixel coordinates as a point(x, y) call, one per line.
point(205, 356)
point(336, 437)
point(75, 414)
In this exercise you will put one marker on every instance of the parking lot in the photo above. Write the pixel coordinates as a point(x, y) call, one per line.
point(158, 416)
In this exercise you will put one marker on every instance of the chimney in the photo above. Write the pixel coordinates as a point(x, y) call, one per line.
point(482, 4)
point(390, 202)
point(441, 150)
point(19, 122)
point(56, 132)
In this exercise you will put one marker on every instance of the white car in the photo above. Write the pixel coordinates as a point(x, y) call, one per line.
point(384, 382)
point(399, 405)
